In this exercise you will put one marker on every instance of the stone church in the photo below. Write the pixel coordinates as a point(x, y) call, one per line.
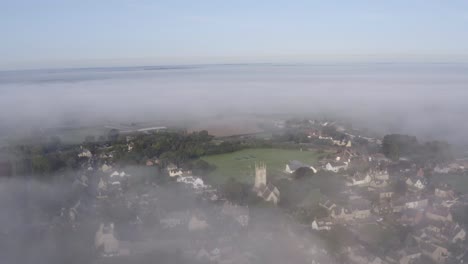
point(266, 190)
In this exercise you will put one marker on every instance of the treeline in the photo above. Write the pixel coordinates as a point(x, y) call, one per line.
point(396, 146)
point(49, 155)
point(42, 156)
point(171, 147)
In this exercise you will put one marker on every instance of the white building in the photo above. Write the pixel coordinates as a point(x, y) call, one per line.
point(322, 224)
point(336, 166)
point(359, 180)
point(173, 170)
point(197, 224)
point(85, 153)
point(106, 241)
point(239, 213)
point(416, 204)
point(416, 182)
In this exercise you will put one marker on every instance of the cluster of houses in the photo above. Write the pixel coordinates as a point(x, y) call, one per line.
point(374, 199)
point(344, 141)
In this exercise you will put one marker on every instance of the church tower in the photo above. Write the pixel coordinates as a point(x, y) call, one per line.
point(260, 175)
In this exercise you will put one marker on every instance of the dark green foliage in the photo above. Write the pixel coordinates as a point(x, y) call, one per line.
point(171, 147)
point(40, 164)
point(239, 193)
point(201, 167)
point(303, 172)
point(400, 187)
point(395, 146)
point(113, 135)
point(332, 132)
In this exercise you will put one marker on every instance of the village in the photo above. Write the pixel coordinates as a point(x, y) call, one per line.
point(388, 211)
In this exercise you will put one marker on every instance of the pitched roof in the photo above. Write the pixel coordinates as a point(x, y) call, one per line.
point(428, 247)
point(440, 211)
point(360, 204)
point(269, 189)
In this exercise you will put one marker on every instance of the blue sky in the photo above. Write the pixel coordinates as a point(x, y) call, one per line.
point(50, 33)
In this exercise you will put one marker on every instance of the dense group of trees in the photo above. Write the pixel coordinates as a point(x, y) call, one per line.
point(45, 156)
point(173, 147)
point(396, 146)
point(239, 193)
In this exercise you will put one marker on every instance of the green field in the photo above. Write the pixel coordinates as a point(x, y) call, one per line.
point(241, 164)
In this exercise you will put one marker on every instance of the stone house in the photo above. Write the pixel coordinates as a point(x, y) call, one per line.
point(239, 213)
point(359, 255)
point(439, 214)
point(455, 233)
point(411, 217)
point(359, 179)
point(441, 169)
point(383, 208)
point(380, 175)
point(269, 193)
point(377, 184)
point(437, 253)
point(174, 219)
point(444, 191)
point(360, 208)
point(385, 194)
point(173, 170)
point(409, 255)
point(197, 223)
point(85, 153)
point(105, 240)
point(327, 204)
point(398, 204)
point(416, 182)
point(322, 224)
point(341, 213)
point(336, 166)
point(416, 203)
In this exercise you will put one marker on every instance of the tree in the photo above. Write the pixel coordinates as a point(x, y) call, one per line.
point(400, 187)
point(201, 167)
point(395, 146)
point(393, 152)
point(113, 135)
point(302, 172)
point(53, 144)
point(40, 164)
point(235, 191)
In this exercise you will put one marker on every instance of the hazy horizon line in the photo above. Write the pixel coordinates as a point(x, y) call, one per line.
point(171, 66)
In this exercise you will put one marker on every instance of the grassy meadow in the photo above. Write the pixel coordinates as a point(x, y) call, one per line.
point(241, 164)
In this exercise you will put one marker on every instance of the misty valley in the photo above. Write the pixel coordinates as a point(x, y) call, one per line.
point(293, 190)
point(233, 132)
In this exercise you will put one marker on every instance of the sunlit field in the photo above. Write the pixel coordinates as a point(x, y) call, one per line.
point(241, 164)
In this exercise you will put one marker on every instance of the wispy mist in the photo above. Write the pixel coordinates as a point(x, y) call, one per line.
point(425, 99)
